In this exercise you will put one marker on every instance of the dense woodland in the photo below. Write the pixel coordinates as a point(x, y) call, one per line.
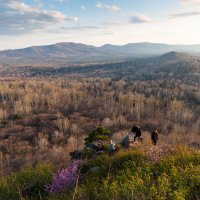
point(45, 119)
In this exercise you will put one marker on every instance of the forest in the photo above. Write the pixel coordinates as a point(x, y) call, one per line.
point(44, 119)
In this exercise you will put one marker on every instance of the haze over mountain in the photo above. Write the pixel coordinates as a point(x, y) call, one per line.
point(172, 65)
point(146, 49)
point(81, 53)
point(56, 53)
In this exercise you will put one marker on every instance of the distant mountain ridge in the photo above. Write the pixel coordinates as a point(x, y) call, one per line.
point(77, 52)
point(150, 48)
point(59, 49)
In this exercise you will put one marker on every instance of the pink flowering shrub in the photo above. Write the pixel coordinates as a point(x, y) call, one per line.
point(156, 153)
point(65, 178)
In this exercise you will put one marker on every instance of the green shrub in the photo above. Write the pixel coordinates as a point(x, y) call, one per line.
point(28, 183)
point(17, 116)
point(97, 134)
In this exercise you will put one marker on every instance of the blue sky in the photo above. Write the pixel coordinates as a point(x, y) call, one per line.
point(39, 22)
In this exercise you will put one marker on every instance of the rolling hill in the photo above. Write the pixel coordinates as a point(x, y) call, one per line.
point(76, 53)
point(149, 49)
point(50, 54)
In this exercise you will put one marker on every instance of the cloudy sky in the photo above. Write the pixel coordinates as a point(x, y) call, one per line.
point(38, 22)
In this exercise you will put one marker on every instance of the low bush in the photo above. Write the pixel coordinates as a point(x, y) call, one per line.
point(135, 175)
point(174, 174)
point(28, 183)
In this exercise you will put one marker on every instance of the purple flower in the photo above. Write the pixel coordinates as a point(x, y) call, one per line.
point(65, 178)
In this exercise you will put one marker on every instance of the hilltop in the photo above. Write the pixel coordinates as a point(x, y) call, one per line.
point(141, 173)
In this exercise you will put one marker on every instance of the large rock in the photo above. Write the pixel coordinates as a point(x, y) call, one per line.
point(92, 146)
point(77, 155)
point(126, 141)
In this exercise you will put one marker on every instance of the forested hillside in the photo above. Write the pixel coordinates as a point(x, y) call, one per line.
point(171, 66)
point(46, 119)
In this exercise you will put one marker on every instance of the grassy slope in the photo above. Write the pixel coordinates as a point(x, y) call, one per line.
point(144, 172)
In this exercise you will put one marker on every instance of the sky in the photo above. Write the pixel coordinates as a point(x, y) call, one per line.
point(26, 23)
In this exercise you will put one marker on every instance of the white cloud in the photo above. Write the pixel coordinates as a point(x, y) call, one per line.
point(80, 27)
point(83, 8)
point(184, 14)
point(99, 5)
point(190, 1)
point(110, 8)
point(113, 23)
point(17, 18)
point(166, 31)
point(140, 18)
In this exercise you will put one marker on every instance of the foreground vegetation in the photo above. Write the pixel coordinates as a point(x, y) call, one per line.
point(143, 172)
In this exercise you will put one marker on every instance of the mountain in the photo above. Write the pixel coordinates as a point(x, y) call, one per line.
point(56, 53)
point(50, 51)
point(77, 53)
point(177, 63)
point(174, 55)
point(148, 49)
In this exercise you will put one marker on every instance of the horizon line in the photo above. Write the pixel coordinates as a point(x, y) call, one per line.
point(124, 44)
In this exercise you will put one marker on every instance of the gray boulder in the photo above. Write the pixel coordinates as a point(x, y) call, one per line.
point(126, 141)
